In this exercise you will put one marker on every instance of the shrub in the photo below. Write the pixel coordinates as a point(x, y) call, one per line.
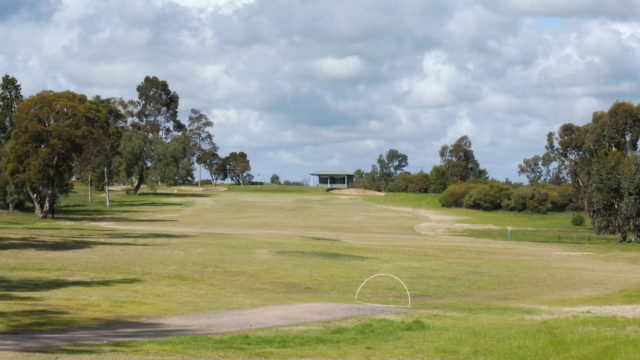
point(487, 197)
point(577, 219)
point(413, 183)
point(531, 198)
point(455, 194)
point(567, 198)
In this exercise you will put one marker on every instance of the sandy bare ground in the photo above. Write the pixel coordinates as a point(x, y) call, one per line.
point(439, 223)
point(216, 323)
point(353, 191)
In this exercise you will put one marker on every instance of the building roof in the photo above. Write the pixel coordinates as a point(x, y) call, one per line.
point(331, 172)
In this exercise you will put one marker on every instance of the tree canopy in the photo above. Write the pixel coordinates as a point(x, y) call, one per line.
point(44, 139)
point(459, 162)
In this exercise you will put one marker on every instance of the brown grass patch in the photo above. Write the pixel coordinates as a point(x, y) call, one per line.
point(357, 192)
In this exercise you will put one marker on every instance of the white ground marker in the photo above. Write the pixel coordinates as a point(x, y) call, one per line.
point(389, 275)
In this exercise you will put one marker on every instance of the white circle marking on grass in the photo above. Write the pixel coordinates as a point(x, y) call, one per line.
point(389, 275)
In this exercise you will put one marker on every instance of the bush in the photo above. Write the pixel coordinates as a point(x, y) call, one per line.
point(529, 198)
point(455, 194)
point(413, 183)
point(577, 219)
point(567, 198)
point(487, 197)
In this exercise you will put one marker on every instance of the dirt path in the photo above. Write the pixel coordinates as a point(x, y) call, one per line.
point(216, 323)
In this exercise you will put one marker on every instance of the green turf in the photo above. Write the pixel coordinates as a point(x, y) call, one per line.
point(178, 252)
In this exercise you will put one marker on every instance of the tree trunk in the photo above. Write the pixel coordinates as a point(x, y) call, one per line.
point(50, 205)
point(138, 184)
point(106, 187)
point(199, 175)
point(89, 184)
point(38, 205)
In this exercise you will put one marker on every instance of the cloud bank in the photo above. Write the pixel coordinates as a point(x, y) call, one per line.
point(306, 85)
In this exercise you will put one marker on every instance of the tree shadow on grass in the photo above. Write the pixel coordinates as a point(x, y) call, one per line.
point(42, 284)
point(84, 217)
point(79, 340)
point(26, 320)
point(12, 297)
point(25, 243)
point(146, 236)
point(321, 255)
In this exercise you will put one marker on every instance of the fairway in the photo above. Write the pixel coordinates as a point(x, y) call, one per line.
point(180, 253)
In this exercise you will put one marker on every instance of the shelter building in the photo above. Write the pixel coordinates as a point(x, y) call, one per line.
point(334, 178)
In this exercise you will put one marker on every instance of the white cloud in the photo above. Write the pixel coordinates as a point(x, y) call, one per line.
point(338, 68)
point(221, 6)
point(304, 85)
point(622, 8)
point(441, 82)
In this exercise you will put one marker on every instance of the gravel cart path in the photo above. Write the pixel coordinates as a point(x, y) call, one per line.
point(215, 323)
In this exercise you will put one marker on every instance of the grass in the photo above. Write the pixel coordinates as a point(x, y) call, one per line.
point(176, 252)
point(554, 227)
point(438, 336)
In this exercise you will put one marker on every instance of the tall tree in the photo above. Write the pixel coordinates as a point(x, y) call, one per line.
point(389, 167)
point(156, 114)
point(198, 130)
point(100, 137)
point(631, 194)
point(605, 195)
point(158, 109)
point(532, 168)
point(137, 150)
point(171, 162)
point(43, 144)
point(215, 165)
point(460, 163)
point(10, 97)
point(238, 168)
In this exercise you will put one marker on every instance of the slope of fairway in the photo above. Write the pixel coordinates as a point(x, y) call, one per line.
point(178, 253)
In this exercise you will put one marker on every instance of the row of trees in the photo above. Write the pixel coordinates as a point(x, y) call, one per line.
point(457, 164)
point(600, 160)
point(275, 179)
point(52, 137)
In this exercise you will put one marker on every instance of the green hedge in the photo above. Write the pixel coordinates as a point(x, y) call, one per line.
point(493, 196)
point(487, 197)
point(455, 194)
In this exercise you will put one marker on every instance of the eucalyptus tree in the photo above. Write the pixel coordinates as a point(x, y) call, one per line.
point(44, 141)
point(389, 166)
point(198, 130)
point(459, 162)
point(238, 167)
point(100, 137)
point(155, 122)
point(600, 160)
point(214, 163)
point(10, 96)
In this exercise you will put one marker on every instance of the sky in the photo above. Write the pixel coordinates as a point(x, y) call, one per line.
point(305, 85)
